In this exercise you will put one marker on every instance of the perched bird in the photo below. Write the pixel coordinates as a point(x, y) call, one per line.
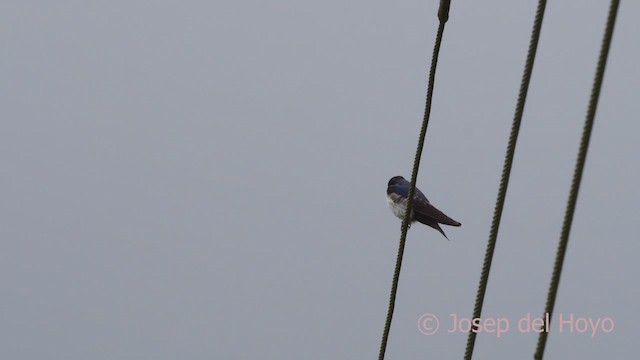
point(423, 212)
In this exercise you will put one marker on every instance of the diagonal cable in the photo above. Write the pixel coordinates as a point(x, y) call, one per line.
point(506, 172)
point(577, 175)
point(443, 15)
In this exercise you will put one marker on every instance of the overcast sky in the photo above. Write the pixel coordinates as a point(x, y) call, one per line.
point(206, 180)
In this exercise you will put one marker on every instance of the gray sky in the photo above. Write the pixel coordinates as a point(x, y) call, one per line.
point(206, 179)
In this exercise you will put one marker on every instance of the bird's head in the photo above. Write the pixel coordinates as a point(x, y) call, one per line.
point(397, 180)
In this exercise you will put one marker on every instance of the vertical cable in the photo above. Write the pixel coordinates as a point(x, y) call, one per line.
point(506, 172)
point(443, 15)
point(577, 175)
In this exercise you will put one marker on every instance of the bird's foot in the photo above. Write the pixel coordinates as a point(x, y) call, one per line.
point(408, 226)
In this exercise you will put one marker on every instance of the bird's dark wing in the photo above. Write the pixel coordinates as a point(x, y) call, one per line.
point(422, 208)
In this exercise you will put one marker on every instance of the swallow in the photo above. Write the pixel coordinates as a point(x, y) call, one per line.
point(422, 211)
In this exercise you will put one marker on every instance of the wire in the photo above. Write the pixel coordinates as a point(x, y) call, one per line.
point(577, 175)
point(443, 15)
point(506, 172)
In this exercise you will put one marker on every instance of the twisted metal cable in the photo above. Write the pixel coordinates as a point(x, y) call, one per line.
point(443, 15)
point(506, 172)
point(577, 175)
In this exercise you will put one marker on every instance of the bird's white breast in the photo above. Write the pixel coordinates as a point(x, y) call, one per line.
point(397, 208)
